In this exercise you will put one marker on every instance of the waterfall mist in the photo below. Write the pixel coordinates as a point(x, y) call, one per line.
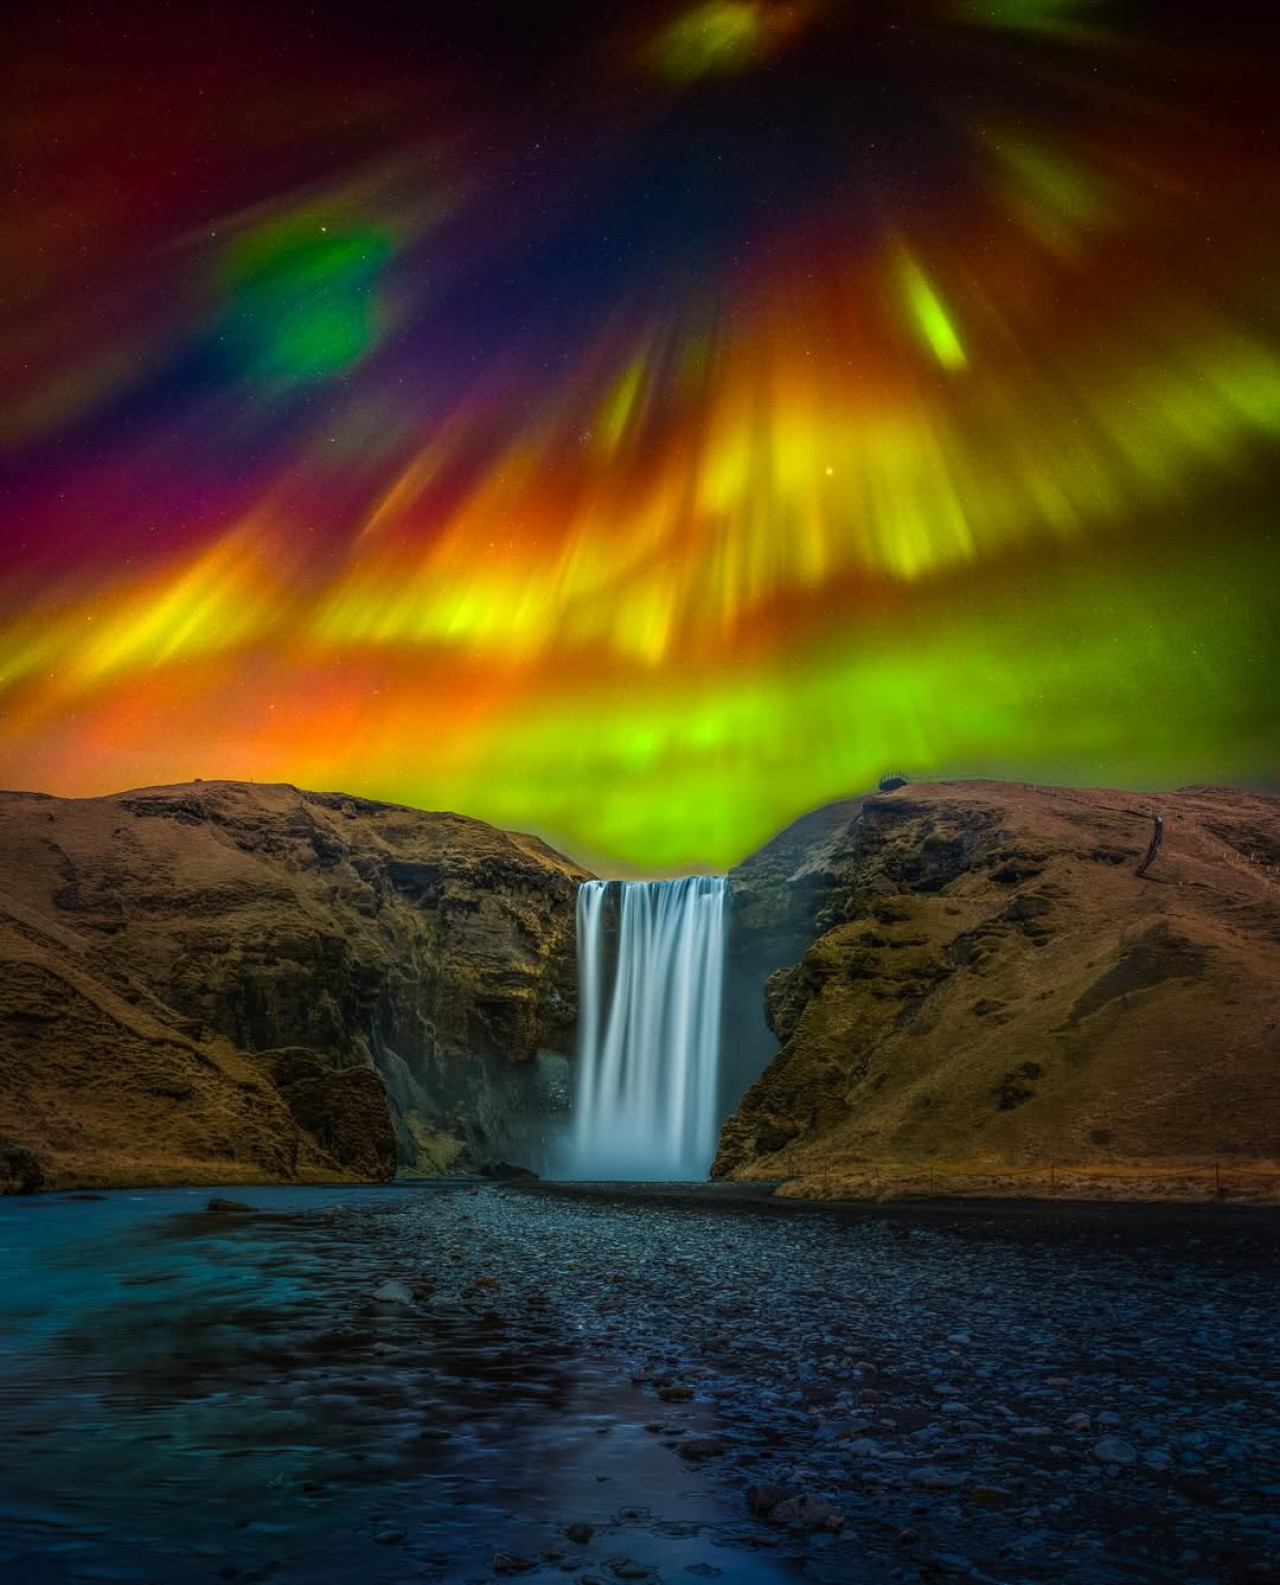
point(650, 975)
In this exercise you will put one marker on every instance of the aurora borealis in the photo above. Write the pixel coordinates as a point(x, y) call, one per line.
point(640, 425)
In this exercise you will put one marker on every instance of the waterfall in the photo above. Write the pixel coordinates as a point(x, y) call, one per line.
point(649, 1028)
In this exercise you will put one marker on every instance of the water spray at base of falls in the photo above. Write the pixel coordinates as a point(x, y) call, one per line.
point(647, 1070)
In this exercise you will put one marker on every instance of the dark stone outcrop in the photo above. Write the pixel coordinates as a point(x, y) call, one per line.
point(507, 1172)
point(19, 1169)
point(343, 1109)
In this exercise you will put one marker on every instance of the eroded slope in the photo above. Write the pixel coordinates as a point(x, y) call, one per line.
point(991, 981)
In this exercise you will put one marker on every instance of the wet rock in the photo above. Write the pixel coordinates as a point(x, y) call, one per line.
point(393, 1291)
point(764, 1498)
point(810, 1510)
point(580, 1532)
point(1112, 1450)
point(512, 1563)
point(389, 1537)
point(229, 1207)
point(675, 1394)
point(696, 1447)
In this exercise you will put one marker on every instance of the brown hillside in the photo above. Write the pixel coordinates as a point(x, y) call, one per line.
point(221, 981)
point(992, 982)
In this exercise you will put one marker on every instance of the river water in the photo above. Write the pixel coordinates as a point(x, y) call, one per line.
point(191, 1397)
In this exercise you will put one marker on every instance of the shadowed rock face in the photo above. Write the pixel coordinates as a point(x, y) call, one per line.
point(221, 980)
point(973, 970)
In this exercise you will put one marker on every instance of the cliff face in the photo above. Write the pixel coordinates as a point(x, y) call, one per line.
point(221, 980)
point(980, 975)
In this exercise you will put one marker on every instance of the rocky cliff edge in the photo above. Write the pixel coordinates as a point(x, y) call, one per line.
point(221, 981)
point(975, 973)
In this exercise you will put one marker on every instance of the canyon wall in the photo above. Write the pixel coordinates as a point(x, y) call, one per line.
point(226, 982)
point(223, 981)
point(974, 972)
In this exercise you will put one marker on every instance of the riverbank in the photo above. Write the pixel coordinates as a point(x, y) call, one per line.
point(1006, 1211)
point(1247, 1180)
point(627, 1382)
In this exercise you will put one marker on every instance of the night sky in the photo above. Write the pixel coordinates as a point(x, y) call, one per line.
point(639, 424)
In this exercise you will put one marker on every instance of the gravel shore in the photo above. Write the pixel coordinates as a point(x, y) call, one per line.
point(1013, 1393)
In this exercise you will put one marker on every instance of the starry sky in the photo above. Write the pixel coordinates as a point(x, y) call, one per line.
point(639, 424)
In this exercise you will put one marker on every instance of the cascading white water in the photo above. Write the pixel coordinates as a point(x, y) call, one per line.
point(649, 1029)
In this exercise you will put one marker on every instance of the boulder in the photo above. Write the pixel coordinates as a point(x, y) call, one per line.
point(810, 1510)
point(763, 1498)
point(393, 1291)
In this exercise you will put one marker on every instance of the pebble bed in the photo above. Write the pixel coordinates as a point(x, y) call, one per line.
point(896, 1398)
